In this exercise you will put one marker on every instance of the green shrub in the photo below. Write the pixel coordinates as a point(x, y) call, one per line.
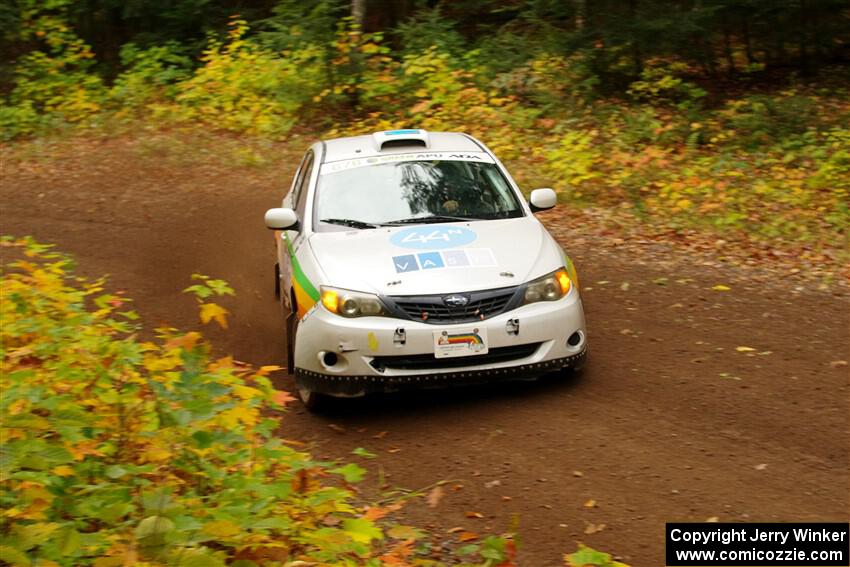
point(763, 120)
point(55, 82)
point(244, 87)
point(117, 451)
point(663, 83)
point(151, 75)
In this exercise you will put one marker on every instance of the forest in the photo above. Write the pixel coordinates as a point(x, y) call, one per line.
point(660, 108)
point(712, 131)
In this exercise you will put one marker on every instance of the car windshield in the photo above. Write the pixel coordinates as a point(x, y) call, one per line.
point(413, 191)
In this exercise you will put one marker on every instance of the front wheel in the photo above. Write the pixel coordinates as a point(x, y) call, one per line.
point(313, 401)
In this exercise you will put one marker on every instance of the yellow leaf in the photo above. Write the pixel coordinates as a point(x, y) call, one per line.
point(744, 349)
point(211, 311)
point(593, 528)
point(221, 528)
point(158, 454)
point(232, 417)
point(721, 287)
point(160, 364)
point(63, 470)
point(246, 392)
point(187, 341)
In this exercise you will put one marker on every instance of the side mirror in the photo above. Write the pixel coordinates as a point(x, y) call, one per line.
point(281, 219)
point(542, 199)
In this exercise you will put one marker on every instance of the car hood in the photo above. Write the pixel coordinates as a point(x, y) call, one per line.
point(437, 258)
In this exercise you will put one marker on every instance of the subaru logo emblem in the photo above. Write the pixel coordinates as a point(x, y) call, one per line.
point(456, 300)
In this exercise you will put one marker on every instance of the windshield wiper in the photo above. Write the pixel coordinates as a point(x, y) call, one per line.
point(350, 222)
point(430, 219)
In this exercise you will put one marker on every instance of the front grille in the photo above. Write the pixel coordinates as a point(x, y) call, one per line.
point(430, 362)
point(431, 309)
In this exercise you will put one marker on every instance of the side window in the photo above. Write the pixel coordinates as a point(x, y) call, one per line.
point(303, 183)
point(299, 176)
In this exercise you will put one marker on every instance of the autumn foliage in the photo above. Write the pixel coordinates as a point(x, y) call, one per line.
point(769, 169)
point(120, 451)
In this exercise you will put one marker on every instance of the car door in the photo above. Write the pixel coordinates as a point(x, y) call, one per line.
point(292, 240)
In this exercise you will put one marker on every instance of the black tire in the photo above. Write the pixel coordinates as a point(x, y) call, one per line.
point(313, 401)
point(575, 372)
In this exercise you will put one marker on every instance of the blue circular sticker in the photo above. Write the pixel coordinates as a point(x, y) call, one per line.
point(433, 237)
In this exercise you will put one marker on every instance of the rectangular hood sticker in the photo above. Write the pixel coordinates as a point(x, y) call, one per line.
point(467, 257)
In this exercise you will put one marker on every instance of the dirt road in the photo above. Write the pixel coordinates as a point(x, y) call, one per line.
point(669, 422)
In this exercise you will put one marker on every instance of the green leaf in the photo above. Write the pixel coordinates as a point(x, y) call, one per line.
point(200, 291)
point(114, 512)
point(159, 501)
point(278, 523)
point(361, 530)
point(115, 471)
point(588, 556)
point(57, 455)
point(220, 287)
point(197, 558)
point(361, 452)
point(493, 548)
point(203, 438)
point(68, 541)
point(350, 472)
point(153, 530)
point(29, 536)
point(467, 549)
point(405, 532)
point(13, 556)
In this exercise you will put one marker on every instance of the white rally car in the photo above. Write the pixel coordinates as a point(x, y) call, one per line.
point(410, 259)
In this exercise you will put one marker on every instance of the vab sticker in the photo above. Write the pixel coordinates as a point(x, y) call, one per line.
point(433, 237)
point(473, 257)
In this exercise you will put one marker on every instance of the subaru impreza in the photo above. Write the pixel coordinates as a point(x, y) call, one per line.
point(410, 259)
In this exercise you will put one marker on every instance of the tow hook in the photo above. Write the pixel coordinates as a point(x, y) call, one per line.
point(399, 337)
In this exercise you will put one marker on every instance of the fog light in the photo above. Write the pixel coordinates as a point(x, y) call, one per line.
point(330, 359)
point(575, 339)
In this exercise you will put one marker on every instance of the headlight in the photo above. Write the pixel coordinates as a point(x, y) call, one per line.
point(550, 287)
point(351, 303)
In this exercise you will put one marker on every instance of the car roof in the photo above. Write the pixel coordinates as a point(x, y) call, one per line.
point(398, 142)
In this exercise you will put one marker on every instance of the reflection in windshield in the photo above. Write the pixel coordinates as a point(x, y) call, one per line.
point(383, 193)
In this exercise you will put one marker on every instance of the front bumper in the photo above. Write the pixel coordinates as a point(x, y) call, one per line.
point(368, 356)
point(351, 386)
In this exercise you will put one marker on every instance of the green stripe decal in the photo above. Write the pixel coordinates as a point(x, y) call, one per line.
point(298, 273)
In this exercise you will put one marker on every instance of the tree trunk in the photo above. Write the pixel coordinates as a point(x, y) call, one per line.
point(581, 14)
point(805, 68)
point(637, 56)
point(358, 12)
point(748, 45)
point(727, 46)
